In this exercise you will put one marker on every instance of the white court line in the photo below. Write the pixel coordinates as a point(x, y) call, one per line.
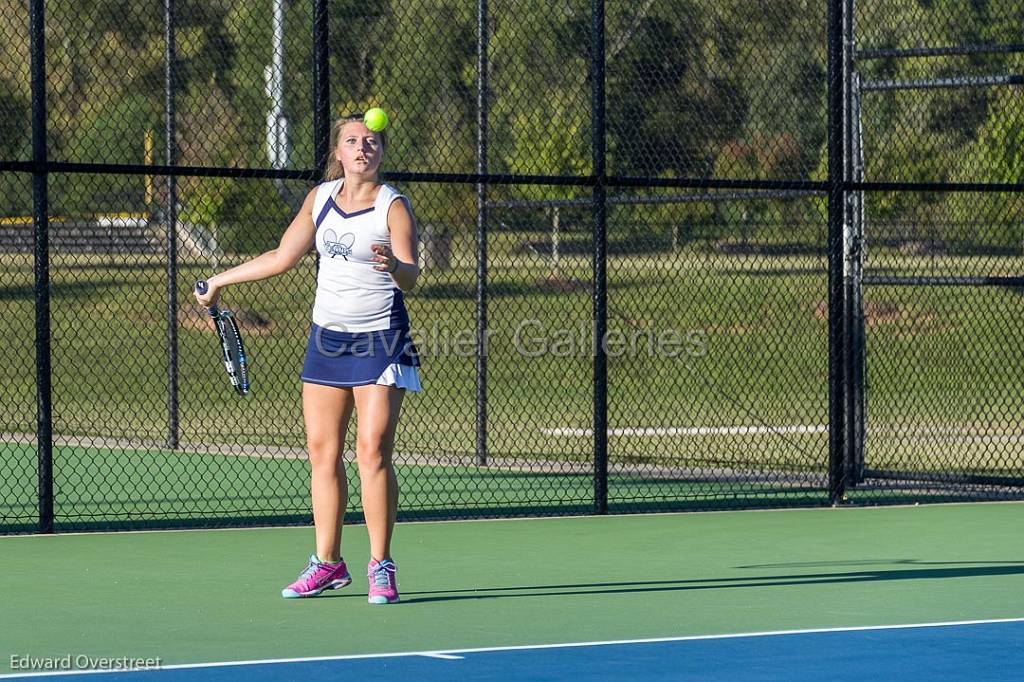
point(452, 654)
point(693, 430)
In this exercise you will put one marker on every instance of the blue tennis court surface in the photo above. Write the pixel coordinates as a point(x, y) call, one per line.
point(973, 650)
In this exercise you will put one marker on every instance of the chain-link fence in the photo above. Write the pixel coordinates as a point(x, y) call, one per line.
point(675, 254)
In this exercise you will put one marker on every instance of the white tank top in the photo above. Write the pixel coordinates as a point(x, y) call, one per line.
point(350, 295)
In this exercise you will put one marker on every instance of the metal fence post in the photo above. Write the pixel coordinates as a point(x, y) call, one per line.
point(481, 232)
point(40, 218)
point(172, 225)
point(600, 224)
point(321, 86)
point(321, 94)
point(836, 342)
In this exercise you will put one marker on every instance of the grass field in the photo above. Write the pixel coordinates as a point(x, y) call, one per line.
point(747, 390)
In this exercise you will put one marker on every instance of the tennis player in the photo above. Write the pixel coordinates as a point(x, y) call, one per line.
point(360, 355)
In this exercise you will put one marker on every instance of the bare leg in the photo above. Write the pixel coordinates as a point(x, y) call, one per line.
point(377, 410)
point(327, 411)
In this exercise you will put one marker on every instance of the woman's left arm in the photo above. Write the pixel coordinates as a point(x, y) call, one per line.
point(401, 260)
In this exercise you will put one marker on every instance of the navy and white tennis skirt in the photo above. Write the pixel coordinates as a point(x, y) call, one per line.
point(387, 357)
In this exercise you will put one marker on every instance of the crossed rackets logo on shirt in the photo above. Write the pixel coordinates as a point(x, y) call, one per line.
point(338, 247)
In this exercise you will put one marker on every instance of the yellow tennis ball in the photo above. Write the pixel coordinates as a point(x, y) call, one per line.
point(376, 119)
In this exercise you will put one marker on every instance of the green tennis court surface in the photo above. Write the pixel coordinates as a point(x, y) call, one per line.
point(205, 596)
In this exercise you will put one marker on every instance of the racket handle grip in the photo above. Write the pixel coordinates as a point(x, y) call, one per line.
point(202, 286)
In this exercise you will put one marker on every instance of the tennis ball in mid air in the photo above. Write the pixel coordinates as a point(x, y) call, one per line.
point(375, 119)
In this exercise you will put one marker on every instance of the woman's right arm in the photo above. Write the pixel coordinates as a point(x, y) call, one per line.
point(295, 243)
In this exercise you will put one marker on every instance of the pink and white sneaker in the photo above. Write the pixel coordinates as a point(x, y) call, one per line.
point(317, 577)
point(383, 583)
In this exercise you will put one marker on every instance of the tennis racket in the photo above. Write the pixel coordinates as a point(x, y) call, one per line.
point(230, 343)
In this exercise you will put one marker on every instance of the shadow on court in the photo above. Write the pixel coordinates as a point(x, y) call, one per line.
point(948, 571)
point(875, 562)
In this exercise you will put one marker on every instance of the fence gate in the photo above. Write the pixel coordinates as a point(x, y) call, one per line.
point(934, 360)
